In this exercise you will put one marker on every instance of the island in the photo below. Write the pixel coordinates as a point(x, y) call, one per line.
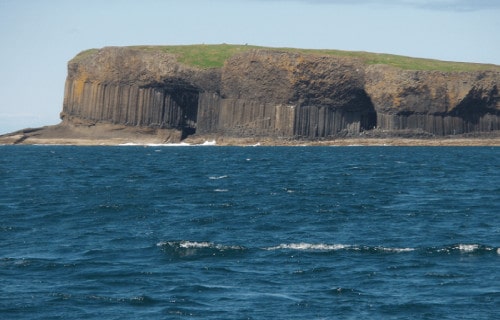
point(242, 94)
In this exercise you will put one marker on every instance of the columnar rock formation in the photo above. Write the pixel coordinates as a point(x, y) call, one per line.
point(435, 102)
point(275, 94)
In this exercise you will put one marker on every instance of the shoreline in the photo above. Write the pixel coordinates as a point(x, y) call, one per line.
point(244, 142)
point(112, 135)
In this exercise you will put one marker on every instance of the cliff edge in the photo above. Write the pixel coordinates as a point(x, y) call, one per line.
point(172, 93)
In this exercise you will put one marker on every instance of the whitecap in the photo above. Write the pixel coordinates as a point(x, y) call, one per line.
point(221, 190)
point(187, 244)
point(303, 246)
point(309, 246)
point(467, 247)
point(397, 250)
point(217, 177)
point(194, 244)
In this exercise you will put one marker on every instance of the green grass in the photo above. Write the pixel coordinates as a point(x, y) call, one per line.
point(82, 55)
point(201, 55)
point(213, 56)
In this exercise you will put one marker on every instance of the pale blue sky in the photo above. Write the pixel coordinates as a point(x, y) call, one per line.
point(39, 37)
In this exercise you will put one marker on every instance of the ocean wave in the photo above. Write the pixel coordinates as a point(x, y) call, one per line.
point(217, 177)
point(195, 244)
point(395, 250)
point(185, 248)
point(460, 248)
point(465, 248)
point(334, 247)
point(309, 247)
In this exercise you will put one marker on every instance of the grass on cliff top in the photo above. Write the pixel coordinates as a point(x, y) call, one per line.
point(202, 56)
point(213, 56)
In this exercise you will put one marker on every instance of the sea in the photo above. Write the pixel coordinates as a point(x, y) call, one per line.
point(215, 232)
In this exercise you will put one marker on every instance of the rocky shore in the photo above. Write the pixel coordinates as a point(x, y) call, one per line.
point(112, 135)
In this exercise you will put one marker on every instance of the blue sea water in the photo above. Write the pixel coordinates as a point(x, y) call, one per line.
point(249, 232)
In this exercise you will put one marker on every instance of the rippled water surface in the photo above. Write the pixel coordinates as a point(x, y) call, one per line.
point(249, 233)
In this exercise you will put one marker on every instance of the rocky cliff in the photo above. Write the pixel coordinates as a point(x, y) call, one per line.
point(435, 102)
point(276, 93)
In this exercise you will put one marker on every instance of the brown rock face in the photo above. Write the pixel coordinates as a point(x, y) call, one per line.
point(275, 94)
point(292, 95)
point(135, 88)
point(435, 102)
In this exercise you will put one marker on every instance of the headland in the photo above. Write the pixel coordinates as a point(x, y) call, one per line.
point(247, 95)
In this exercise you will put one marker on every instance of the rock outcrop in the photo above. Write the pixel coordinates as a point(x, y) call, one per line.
point(272, 93)
point(435, 102)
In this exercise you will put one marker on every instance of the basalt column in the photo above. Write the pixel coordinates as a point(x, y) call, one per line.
point(293, 95)
point(157, 107)
point(434, 102)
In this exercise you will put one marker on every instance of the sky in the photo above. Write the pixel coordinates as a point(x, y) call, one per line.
point(38, 38)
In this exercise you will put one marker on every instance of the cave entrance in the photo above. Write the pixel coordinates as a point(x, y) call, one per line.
point(368, 120)
point(187, 100)
point(180, 109)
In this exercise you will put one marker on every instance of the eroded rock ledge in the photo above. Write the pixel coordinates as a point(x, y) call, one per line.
point(275, 94)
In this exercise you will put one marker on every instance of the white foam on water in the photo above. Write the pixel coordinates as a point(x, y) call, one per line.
point(186, 244)
point(194, 244)
point(498, 251)
point(181, 144)
point(397, 250)
point(309, 246)
point(217, 177)
point(467, 247)
point(209, 143)
point(129, 144)
point(332, 247)
point(221, 190)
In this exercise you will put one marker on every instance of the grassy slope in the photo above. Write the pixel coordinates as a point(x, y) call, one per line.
point(213, 56)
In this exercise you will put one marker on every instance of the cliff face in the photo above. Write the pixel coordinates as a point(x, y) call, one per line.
point(275, 94)
point(435, 102)
point(135, 88)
